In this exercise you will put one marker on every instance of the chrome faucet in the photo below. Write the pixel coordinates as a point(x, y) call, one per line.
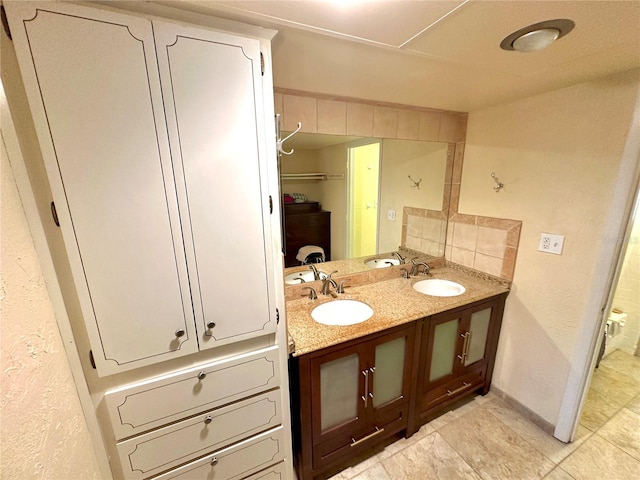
point(415, 269)
point(400, 258)
point(316, 273)
point(327, 283)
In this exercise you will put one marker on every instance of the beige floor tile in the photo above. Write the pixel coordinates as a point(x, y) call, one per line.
point(623, 431)
point(598, 459)
point(430, 458)
point(356, 470)
point(634, 405)
point(598, 409)
point(493, 449)
point(623, 363)
point(403, 443)
point(620, 387)
point(552, 448)
point(558, 474)
point(376, 472)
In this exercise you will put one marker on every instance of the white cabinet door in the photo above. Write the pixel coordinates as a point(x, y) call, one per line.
point(92, 82)
point(212, 90)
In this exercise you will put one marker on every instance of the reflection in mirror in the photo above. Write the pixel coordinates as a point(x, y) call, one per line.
point(323, 170)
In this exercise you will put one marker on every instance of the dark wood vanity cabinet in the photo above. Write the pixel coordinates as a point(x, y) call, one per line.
point(457, 354)
point(350, 397)
point(305, 224)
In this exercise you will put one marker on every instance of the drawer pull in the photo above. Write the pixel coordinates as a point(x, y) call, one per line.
point(180, 332)
point(214, 461)
point(211, 325)
point(355, 442)
point(208, 419)
point(453, 392)
point(201, 376)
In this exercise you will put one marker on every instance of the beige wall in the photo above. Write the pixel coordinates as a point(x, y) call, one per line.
point(43, 431)
point(558, 155)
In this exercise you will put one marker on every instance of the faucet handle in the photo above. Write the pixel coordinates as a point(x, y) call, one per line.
point(312, 293)
point(405, 272)
point(342, 286)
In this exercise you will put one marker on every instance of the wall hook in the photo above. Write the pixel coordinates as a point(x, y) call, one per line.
point(279, 142)
point(415, 184)
point(499, 185)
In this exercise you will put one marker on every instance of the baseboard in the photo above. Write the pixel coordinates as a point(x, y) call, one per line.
point(530, 415)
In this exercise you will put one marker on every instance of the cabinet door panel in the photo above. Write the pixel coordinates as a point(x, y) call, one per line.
point(388, 376)
point(212, 89)
point(92, 84)
point(339, 382)
point(445, 344)
point(478, 331)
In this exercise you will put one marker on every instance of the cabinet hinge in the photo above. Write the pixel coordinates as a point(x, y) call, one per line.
point(92, 360)
point(277, 317)
point(54, 214)
point(262, 64)
point(5, 22)
point(270, 204)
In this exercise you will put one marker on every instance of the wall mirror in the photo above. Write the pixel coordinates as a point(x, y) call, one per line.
point(365, 184)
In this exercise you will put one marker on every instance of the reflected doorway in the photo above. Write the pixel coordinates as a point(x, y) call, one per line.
point(364, 193)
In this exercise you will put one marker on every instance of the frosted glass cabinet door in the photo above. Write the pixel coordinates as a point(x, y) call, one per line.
point(213, 94)
point(339, 382)
point(93, 88)
point(445, 343)
point(388, 374)
point(478, 330)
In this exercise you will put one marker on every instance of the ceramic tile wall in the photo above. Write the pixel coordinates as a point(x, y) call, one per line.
point(351, 116)
point(424, 230)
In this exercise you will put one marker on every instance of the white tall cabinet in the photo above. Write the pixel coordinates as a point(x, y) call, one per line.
point(157, 140)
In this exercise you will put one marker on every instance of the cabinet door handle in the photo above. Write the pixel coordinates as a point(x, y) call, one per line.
point(365, 397)
point(208, 419)
point(202, 375)
point(355, 442)
point(211, 325)
point(214, 461)
point(180, 332)
point(465, 346)
point(370, 390)
point(453, 392)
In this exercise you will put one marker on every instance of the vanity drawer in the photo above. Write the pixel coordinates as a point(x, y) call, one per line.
point(164, 448)
point(139, 407)
point(236, 462)
point(276, 472)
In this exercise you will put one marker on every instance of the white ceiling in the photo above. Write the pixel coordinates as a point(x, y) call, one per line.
point(437, 54)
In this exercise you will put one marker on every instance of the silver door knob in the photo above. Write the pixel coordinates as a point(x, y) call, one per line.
point(214, 461)
point(210, 325)
point(208, 419)
point(201, 375)
point(180, 332)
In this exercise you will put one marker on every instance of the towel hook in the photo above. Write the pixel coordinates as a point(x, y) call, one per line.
point(499, 185)
point(279, 142)
point(415, 184)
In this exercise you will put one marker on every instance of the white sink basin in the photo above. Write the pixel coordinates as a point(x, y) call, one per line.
point(342, 312)
point(439, 288)
point(382, 262)
point(300, 277)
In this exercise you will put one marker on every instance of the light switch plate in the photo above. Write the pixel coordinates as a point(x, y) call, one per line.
point(550, 243)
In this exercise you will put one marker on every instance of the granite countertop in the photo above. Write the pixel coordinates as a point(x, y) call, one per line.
point(394, 302)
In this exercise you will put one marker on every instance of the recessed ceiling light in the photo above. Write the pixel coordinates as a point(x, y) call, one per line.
point(537, 36)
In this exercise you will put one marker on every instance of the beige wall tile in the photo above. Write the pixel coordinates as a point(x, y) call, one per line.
point(452, 128)
point(465, 236)
point(447, 252)
point(300, 109)
point(491, 241)
point(414, 243)
point(487, 264)
point(360, 119)
point(332, 117)
point(414, 226)
point(513, 235)
point(432, 229)
point(509, 262)
point(429, 126)
point(408, 124)
point(462, 256)
point(385, 122)
point(462, 218)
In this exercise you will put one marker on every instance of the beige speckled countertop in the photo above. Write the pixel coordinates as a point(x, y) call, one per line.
point(394, 302)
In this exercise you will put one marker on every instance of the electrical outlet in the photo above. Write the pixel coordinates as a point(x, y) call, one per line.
point(550, 243)
point(391, 215)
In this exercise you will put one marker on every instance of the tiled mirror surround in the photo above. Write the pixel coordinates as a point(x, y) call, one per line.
point(486, 244)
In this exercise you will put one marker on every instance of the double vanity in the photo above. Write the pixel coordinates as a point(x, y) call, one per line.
point(376, 362)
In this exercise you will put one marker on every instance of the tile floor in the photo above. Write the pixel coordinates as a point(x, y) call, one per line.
point(486, 439)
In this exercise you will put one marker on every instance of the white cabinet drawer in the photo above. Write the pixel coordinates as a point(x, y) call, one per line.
point(139, 407)
point(272, 473)
point(164, 448)
point(236, 462)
